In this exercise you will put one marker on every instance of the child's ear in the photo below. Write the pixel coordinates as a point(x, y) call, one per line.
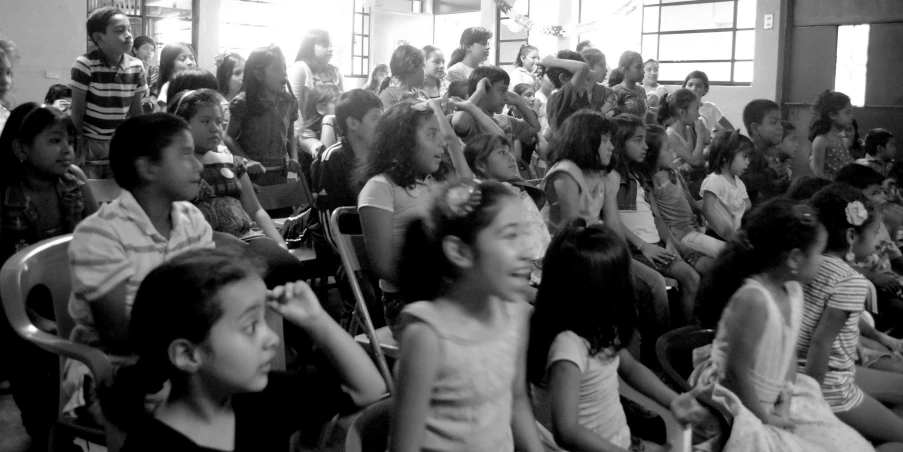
point(96, 37)
point(852, 235)
point(753, 129)
point(19, 150)
point(457, 252)
point(184, 355)
point(351, 124)
point(564, 78)
point(146, 169)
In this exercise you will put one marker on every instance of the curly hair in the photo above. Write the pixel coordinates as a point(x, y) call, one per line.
point(394, 147)
point(828, 103)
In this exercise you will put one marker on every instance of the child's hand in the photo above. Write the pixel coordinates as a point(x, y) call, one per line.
point(255, 168)
point(701, 131)
point(483, 85)
point(515, 100)
point(888, 282)
point(780, 421)
point(294, 166)
point(657, 254)
point(687, 410)
point(458, 104)
point(296, 302)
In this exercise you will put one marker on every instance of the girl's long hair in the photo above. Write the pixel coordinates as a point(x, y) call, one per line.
point(626, 126)
point(456, 56)
point(573, 297)
point(394, 147)
point(372, 84)
point(672, 103)
point(828, 103)
point(756, 248)
point(168, 61)
point(656, 138)
point(578, 140)
point(252, 83)
point(307, 50)
point(831, 203)
point(224, 71)
point(24, 124)
point(725, 146)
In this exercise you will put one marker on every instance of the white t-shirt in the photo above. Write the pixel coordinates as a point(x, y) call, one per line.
point(710, 114)
point(520, 75)
point(732, 197)
point(640, 221)
point(459, 71)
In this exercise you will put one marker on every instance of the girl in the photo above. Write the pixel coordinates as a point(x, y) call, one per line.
point(834, 300)
point(654, 91)
point(687, 134)
point(631, 97)
point(312, 68)
point(525, 66)
point(407, 77)
point(380, 72)
point(679, 210)
point(698, 82)
point(174, 58)
point(230, 70)
point(831, 115)
point(397, 175)
point(601, 98)
point(539, 142)
point(462, 351)
point(575, 357)
point(852, 140)
point(435, 84)
point(262, 117)
point(215, 352)
point(650, 238)
point(724, 198)
point(190, 79)
point(755, 291)
point(144, 49)
point(319, 126)
point(8, 54)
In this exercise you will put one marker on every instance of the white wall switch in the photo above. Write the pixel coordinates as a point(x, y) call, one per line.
point(52, 75)
point(769, 21)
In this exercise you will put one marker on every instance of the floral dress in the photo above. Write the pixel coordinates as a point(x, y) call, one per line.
point(632, 102)
point(219, 195)
point(836, 157)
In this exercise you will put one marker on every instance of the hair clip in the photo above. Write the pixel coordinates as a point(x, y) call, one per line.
point(856, 213)
point(183, 95)
point(463, 200)
point(805, 213)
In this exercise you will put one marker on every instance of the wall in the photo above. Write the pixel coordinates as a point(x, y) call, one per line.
point(50, 35)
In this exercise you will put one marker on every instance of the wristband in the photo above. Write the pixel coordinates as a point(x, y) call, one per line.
point(328, 124)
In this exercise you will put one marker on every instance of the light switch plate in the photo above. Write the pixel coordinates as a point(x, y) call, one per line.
point(769, 21)
point(52, 75)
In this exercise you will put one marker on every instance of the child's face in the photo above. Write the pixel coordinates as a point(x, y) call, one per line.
point(808, 268)
point(697, 85)
point(635, 148)
point(863, 243)
point(323, 51)
point(790, 145)
point(605, 150)
point(366, 127)
point(876, 194)
point(435, 65)
point(529, 96)
point(178, 172)
point(238, 352)
point(117, 39)
point(51, 152)
point(146, 52)
point(650, 73)
point(184, 61)
point(274, 76)
point(665, 156)
point(531, 60)
point(635, 70)
point(500, 165)
point(691, 114)
point(771, 130)
point(844, 118)
point(610, 101)
point(430, 146)
point(496, 97)
point(238, 73)
point(501, 256)
point(480, 51)
point(381, 75)
point(886, 153)
point(739, 163)
point(207, 128)
point(600, 71)
point(6, 76)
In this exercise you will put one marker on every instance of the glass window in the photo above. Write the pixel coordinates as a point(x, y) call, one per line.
point(852, 58)
point(510, 36)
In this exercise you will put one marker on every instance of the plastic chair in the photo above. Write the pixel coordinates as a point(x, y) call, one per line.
point(346, 231)
point(104, 190)
point(47, 264)
point(370, 431)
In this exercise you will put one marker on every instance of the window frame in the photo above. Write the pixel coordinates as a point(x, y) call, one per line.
point(360, 11)
point(500, 21)
point(658, 36)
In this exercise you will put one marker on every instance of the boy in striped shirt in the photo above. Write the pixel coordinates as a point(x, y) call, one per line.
point(107, 86)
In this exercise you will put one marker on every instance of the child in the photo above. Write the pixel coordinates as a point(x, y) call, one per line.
point(698, 82)
point(59, 96)
point(755, 291)
point(312, 68)
point(230, 70)
point(8, 54)
point(654, 91)
point(804, 188)
point(407, 77)
point(576, 353)
point(261, 127)
point(831, 114)
point(570, 75)
point(536, 148)
point(397, 175)
point(216, 352)
point(525, 65)
point(174, 58)
point(852, 140)
point(631, 97)
point(319, 123)
point(144, 49)
point(379, 73)
point(780, 157)
point(473, 51)
point(601, 97)
point(762, 119)
point(687, 134)
point(107, 86)
point(826, 347)
point(679, 210)
point(189, 80)
point(724, 198)
point(152, 158)
point(650, 238)
point(880, 150)
point(461, 370)
point(435, 85)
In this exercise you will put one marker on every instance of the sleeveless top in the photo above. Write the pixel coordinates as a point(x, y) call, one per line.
point(690, 172)
point(590, 199)
point(471, 400)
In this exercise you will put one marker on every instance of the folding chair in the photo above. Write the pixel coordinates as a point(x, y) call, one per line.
point(293, 194)
point(104, 190)
point(346, 230)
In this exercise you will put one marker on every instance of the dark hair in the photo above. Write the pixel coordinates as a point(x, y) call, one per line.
point(57, 92)
point(138, 137)
point(805, 187)
point(520, 88)
point(725, 146)
point(224, 71)
point(626, 126)
point(856, 149)
point(656, 137)
point(525, 50)
point(495, 75)
point(257, 62)
point(895, 173)
point(615, 77)
point(183, 295)
point(756, 248)
point(478, 149)
point(394, 146)
point(321, 94)
point(826, 104)
point(831, 203)
point(458, 88)
point(875, 138)
point(788, 128)
point(554, 73)
point(456, 56)
point(578, 140)
point(672, 103)
point(372, 84)
point(424, 236)
point(626, 58)
point(572, 296)
point(190, 79)
point(307, 51)
point(593, 56)
point(583, 45)
point(24, 124)
point(473, 35)
point(355, 103)
point(700, 75)
point(142, 40)
point(99, 19)
point(406, 60)
point(754, 112)
point(858, 176)
point(186, 104)
point(168, 61)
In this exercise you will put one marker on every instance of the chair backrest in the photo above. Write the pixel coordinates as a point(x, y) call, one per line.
point(370, 431)
point(675, 351)
point(292, 194)
point(104, 190)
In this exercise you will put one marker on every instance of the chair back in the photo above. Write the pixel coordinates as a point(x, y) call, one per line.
point(675, 348)
point(293, 194)
point(104, 190)
point(345, 225)
point(370, 431)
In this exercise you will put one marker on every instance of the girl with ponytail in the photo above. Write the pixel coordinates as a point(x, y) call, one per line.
point(679, 113)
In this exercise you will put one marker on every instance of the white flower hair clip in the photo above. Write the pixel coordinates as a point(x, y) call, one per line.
point(856, 213)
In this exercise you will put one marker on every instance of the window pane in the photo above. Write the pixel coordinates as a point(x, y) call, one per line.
point(746, 45)
point(356, 65)
point(743, 71)
point(852, 57)
point(358, 23)
point(416, 6)
point(746, 14)
point(648, 2)
point(650, 46)
point(717, 72)
point(506, 34)
point(696, 46)
point(698, 16)
point(508, 51)
point(366, 49)
point(367, 24)
point(365, 70)
point(650, 19)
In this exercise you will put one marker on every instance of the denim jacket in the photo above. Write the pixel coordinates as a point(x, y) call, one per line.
point(628, 190)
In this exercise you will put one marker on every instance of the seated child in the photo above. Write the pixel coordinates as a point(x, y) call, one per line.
point(762, 118)
point(880, 150)
point(724, 198)
point(319, 122)
point(780, 158)
point(60, 97)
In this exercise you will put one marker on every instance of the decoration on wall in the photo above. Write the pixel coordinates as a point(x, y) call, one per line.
point(521, 22)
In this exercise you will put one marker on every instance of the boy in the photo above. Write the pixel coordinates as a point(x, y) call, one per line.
point(762, 118)
point(60, 96)
point(880, 150)
point(475, 42)
point(570, 74)
point(107, 86)
point(780, 157)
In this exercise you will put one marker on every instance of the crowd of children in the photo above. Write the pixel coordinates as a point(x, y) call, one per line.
point(518, 292)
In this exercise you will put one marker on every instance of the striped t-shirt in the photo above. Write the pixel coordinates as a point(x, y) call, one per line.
point(109, 91)
point(119, 243)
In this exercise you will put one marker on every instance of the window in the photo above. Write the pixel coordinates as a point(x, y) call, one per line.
point(508, 42)
point(716, 37)
point(360, 40)
point(620, 22)
point(852, 59)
